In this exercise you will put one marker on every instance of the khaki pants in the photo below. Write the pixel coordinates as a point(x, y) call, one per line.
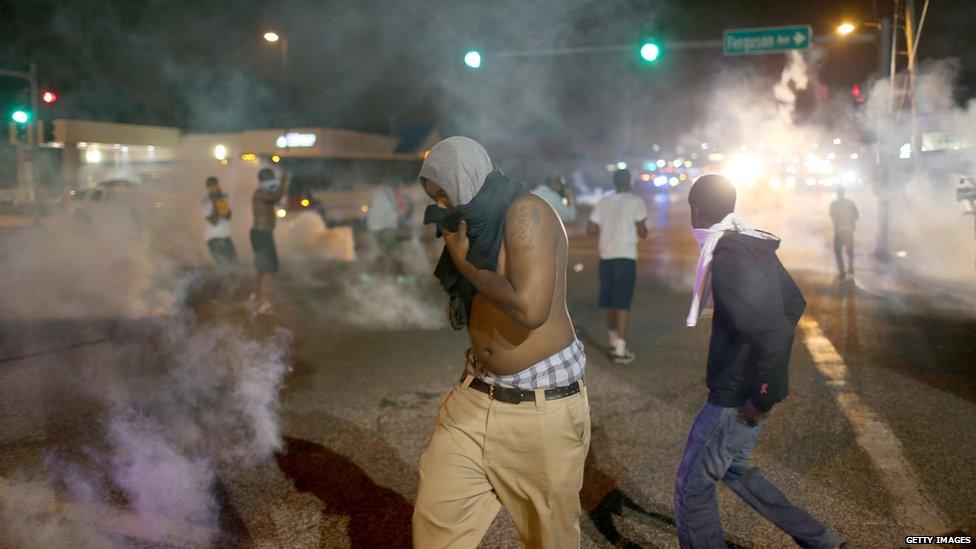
point(484, 454)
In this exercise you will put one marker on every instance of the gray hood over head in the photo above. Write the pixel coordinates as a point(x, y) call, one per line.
point(459, 165)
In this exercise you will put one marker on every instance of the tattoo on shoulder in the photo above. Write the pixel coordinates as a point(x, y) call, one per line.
point(527, 219)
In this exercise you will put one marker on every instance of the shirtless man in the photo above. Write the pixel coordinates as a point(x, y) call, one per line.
point(269, 192)
point(515, 431)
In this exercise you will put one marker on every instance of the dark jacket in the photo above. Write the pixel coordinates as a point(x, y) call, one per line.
point(757, 306)
point(843, 212)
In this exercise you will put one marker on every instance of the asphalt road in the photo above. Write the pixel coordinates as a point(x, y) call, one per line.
point(877, 437)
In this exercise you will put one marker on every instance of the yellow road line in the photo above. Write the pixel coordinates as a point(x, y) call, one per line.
point(914, 511)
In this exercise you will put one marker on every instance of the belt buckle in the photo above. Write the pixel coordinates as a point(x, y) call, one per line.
point(505, 396)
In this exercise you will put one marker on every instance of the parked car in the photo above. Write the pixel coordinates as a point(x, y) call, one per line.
point(112, 198)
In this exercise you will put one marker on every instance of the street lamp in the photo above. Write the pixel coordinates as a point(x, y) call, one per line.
point(845, 28)
point(272, 37)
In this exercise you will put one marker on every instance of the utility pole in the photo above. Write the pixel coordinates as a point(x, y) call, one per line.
point(287, 86)
point(885, 124)
point(910, 48)
point(912, 37)
point(880, 135)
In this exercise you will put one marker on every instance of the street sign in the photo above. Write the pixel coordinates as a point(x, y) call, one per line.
point(766, 40)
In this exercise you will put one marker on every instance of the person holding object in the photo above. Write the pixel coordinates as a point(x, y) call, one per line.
point(756, 308)
point(216, 213)
point(620, 219)
point(515, 431)
point(559, 194)
point(269, 192)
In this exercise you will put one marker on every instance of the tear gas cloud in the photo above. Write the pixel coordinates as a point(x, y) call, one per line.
point(364, 292)
point(201, 398)
point(43, 277)
point(177, 401)
point(171, 401)
point(175, 411)
point(793, 79)
point(926, 219)
point(786, 169)
point(386, 305)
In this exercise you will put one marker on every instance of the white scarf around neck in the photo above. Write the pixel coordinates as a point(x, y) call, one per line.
point(707, 240)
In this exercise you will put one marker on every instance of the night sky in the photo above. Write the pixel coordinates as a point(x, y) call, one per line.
point(362, 64)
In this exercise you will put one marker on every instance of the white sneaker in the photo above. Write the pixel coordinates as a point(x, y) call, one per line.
point(623, 358)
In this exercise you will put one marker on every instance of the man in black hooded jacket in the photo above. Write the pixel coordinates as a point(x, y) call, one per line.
point(757, 306)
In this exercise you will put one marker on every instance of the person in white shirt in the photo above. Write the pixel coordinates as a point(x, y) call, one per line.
point(559, 194)
point(383, 221)
point(620, 219)
point(216, 230)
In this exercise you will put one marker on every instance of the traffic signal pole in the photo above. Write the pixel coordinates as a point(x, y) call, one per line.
point(665, 46)
point(676, 45)
point(25, 151)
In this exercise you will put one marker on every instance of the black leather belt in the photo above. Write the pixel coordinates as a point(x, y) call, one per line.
point(517, 396)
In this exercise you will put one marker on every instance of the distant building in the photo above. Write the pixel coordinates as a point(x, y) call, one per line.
point(320, 157)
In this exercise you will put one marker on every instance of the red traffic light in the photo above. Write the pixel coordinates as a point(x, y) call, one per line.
point(857, 94)
point(48, 97)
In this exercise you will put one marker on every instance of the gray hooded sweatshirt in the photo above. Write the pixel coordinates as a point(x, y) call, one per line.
point(459, 165)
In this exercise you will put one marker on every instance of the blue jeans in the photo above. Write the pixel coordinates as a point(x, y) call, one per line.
point(718, 448)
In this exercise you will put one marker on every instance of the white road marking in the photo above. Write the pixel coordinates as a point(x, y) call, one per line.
point(914, 510)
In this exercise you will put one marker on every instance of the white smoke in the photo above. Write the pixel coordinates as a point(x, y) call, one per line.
point(173, 401)
point(381, 303)
point(33, 515)
point(794, 78)
point(215, 402)
point(753, 120)
point(927, 222)
point(304, 237)
point(180, 401)
point(73, 269)
point(163, 483)
point(749, 117)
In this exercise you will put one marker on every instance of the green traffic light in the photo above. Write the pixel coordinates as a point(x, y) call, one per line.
point(649, 52)
point(20, 116)
point(473, 59)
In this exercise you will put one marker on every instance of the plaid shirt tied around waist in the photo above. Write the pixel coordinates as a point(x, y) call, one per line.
point(559, 370)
